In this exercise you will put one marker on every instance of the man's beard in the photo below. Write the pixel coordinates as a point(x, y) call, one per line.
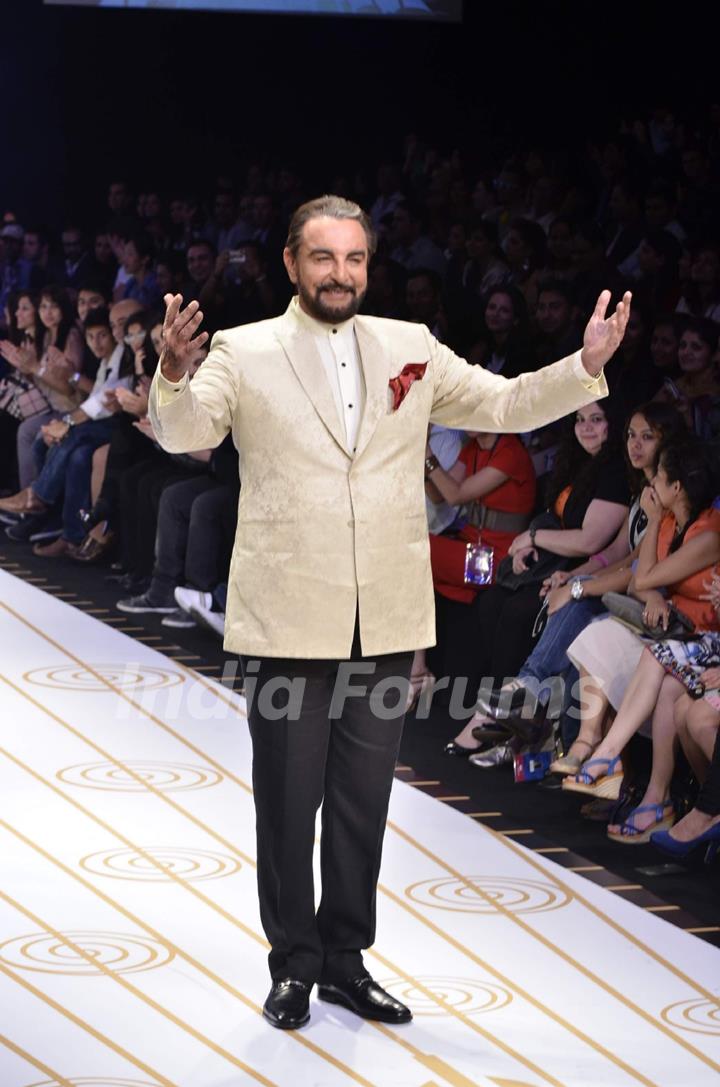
point(332, 315)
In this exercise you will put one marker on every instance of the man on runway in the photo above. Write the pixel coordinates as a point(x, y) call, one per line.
point(330, 589)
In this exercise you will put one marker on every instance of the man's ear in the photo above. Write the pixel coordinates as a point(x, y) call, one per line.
point(290, 265)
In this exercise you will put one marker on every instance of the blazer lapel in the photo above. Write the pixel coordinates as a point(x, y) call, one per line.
point(305, 360)
point(375, 359)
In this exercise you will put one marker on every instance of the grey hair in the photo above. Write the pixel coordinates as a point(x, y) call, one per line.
point(328, 207)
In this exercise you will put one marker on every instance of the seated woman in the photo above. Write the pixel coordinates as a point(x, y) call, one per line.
point(55, 373)
point(493, 480)
point(589, 497)
point(20, 398)
point(694, 724)
point(66, 447)
point(546, 678)
point(502, 344)
point(680, 546)
point(697, 390)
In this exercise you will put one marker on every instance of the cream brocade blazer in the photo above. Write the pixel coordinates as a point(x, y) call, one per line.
point(324, 532)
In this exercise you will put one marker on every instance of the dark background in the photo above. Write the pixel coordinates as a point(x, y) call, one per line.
point(171, 99)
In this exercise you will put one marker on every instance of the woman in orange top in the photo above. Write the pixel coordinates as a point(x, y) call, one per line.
point(678, 551)
point(494, 479)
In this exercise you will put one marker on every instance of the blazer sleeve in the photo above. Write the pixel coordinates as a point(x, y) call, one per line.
point(188, 415)
point(470, 398)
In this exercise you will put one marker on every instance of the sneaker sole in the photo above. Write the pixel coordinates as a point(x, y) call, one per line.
point(144, 611)
point(200, 620)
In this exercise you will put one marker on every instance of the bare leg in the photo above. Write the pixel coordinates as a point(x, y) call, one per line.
point(420, 678)
point(593, 716)
point(638, 704)
point(693, 753)
point(664, 740)
point(465, 738)
point(693, 824)
point(419, 664)
point(702, 726)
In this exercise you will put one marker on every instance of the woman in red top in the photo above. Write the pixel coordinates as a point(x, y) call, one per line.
point(677, 553)
point(494, 480)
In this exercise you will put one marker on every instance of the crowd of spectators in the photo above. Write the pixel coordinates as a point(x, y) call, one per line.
point(502, 264)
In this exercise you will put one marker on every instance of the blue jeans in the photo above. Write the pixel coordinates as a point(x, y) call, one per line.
point(549, 659)
point(67, 470)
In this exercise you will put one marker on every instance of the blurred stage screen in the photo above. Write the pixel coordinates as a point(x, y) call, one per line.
point(438, 10)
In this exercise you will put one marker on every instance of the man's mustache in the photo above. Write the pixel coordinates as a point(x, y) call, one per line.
point(349, 289)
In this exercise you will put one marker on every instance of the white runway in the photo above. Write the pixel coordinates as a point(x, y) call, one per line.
point(131, 952)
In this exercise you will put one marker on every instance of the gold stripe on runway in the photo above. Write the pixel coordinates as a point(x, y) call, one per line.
point(190, 959)
point(40, 1065)
point(97, 964)
point(96, 1034)
point(236, 922)
point(553, 947)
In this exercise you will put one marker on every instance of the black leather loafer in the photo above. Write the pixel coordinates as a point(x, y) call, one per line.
point(288, 1004)
point(364, 996)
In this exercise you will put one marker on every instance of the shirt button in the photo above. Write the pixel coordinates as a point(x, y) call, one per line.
point(343, 364)
point(334, 332)
point(349, 405)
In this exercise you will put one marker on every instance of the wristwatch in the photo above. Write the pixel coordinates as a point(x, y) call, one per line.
point(68, 420)
point(577, 589)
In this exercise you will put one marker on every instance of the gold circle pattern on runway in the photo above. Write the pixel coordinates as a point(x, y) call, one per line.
point(95, 678)
point(506, 893)
point(166, 777)
point(466, 995)
point(116, 951)
point(190, 864)
point(699, 1016)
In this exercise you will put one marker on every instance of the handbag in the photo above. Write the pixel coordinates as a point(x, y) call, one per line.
point(21, 398)
point(630, 611)
point(547, 561)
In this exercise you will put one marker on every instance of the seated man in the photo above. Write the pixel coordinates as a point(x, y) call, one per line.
point(193, 543)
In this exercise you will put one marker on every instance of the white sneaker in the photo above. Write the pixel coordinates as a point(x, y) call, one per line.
point(199, 605)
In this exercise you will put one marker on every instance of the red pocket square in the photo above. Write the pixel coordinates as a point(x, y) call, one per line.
point(400, 385)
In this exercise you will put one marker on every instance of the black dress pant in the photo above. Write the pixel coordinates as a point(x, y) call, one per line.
point(505, 621)
point(193, 545)
point(141, 488)
point(8, 452)
point(340, 751)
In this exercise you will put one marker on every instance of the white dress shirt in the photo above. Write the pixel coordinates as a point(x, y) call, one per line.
point(105, 379)
point(338, 348)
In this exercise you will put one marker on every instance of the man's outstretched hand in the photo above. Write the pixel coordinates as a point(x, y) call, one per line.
point(603, 335)
point(180, 344)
